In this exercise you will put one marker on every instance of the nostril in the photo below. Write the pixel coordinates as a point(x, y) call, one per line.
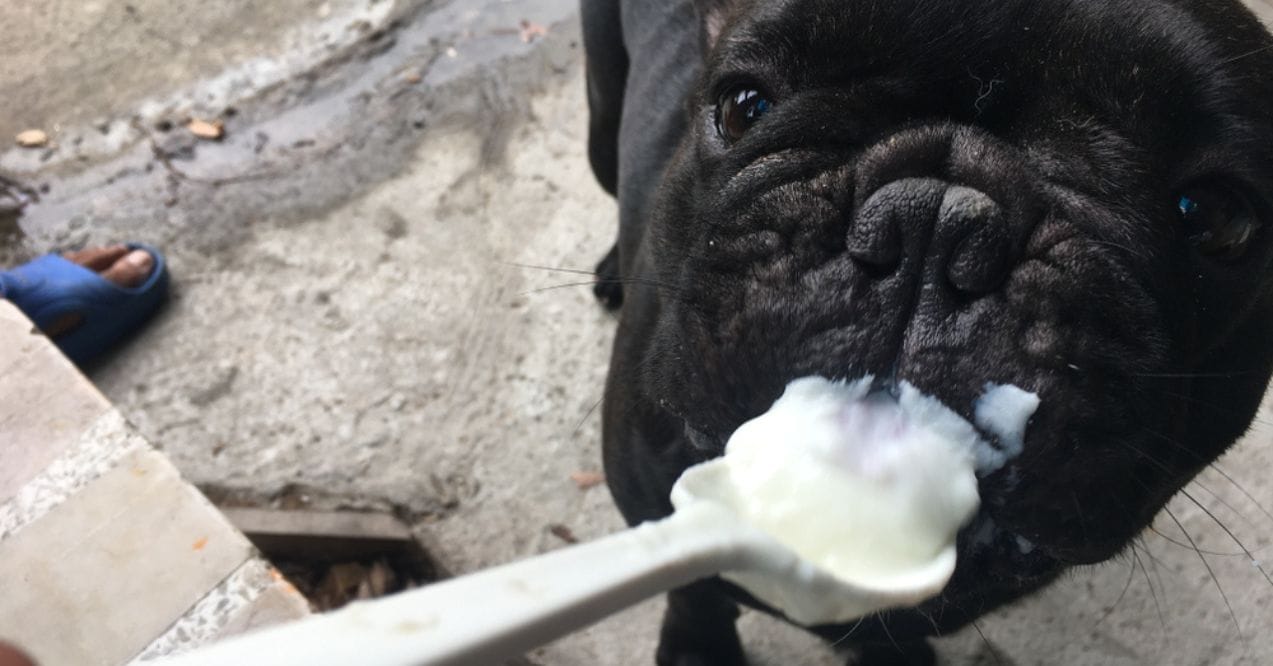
point(964, 204)
point(874, 241)
point(879, 255)
point(980, 247)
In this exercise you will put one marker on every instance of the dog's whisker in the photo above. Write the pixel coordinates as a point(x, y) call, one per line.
point(1153, 593)
point(1137, 559)
point(589, 283)
point(1166, 537)
point(1198, 457)
point(1245, 551)
point(555, 287)
point(1176, 542)
point(1119, 246)
point(850, 633)
point(671, 290)
point(929, 616)
point(989, 646)
point(587, 415)
point(1210, 571)
point(1218, 470)
point(1248, 54)
point(1158, 564)
point(1131, 576)
point(1223, 502)
point(889, 634)
point(550, 269)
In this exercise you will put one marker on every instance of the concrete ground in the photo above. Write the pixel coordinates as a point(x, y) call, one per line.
point(356, 319)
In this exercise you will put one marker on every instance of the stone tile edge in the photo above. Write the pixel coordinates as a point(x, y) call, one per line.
point(102, 445)
point(210, 615)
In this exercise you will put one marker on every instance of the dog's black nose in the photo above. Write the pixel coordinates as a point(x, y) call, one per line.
point(951, 232)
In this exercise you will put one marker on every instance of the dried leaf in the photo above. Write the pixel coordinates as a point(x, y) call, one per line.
point(208, 130)
point(32, 138)
point(564, 533)
point(586, 480)
point(530, 30)
point(380, 578)
point(340, 584)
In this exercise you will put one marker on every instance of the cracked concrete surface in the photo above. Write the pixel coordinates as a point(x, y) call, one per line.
point(80, 62)
point(374, 302)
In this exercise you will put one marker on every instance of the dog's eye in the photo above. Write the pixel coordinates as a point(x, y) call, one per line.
point(1218, 221)
point(739, 109)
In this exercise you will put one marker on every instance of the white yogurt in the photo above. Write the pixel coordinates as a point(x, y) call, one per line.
point(864, 487)
point(1003, 411)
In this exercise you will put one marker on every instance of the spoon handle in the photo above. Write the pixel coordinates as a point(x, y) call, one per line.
point(497, 613)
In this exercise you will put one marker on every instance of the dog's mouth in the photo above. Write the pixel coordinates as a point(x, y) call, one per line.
point(985, 535)
point(1064, 490)
point(990, 553)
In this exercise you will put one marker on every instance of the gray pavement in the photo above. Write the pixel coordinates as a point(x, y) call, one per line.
point(354, 322)
point(77, 62)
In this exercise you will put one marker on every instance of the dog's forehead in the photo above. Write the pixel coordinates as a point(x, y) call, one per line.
point(1148, 64)
point(846, 37)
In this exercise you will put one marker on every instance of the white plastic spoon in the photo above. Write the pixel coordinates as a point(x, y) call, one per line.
point(833, 504)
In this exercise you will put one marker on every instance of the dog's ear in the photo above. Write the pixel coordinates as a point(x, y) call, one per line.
point(713, 15)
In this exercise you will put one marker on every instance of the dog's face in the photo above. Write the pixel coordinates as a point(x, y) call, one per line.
point(1074, 197)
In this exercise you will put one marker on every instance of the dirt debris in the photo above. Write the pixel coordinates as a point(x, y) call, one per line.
point(208, 130)
point(586, 479)
point(329, 586)
point(564, 533)
point(529, 31)
point(32, 138)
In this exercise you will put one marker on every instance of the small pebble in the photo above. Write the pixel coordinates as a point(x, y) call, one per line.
point(210, 131)
point(32, 138)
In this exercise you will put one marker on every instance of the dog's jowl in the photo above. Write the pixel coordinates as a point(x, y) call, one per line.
point(1069, 196)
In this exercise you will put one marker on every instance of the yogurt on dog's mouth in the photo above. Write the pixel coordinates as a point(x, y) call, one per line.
point(865, 487)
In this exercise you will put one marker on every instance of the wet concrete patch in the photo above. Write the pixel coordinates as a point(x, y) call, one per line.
point(69, 64)
point(300, 145)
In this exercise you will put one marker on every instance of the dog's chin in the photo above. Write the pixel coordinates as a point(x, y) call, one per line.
point(987, 548)
point(702, 442)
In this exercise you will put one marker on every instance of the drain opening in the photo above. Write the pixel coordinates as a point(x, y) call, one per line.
point(335, 557)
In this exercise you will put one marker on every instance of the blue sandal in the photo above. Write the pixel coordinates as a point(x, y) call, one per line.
point(51, 287)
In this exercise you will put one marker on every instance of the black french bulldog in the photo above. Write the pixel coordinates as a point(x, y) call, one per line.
point(1071, 196)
